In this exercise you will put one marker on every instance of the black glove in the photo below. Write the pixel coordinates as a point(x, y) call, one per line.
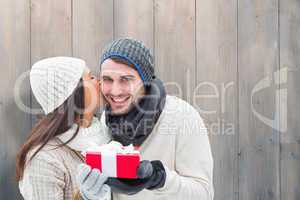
point(151, 175)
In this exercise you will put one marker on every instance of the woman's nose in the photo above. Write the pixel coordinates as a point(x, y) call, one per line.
point(98, 81)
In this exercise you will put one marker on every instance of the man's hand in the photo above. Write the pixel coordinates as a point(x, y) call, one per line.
point(151, 175)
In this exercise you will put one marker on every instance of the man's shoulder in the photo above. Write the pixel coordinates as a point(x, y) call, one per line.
point(179, 116)
point(175, 105)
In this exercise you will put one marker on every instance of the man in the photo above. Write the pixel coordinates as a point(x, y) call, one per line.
point(171, 136)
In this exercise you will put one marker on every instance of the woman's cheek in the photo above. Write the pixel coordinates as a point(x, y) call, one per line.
point(97, 86)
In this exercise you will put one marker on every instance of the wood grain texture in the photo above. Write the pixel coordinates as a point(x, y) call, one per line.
point(259, 176)
point(15, 60)
point(51, 28)
point(290, 90)
point(134, 19)
point(175, 51)
point(215, 95)
point(92, 29)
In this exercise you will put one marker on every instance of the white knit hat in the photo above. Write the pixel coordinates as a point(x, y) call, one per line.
point(54, 79)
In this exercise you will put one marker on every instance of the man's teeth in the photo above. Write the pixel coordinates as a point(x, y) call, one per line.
point(119, 100)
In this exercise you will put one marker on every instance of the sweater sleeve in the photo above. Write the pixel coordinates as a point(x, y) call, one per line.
point(43, 179)
point(193, 174)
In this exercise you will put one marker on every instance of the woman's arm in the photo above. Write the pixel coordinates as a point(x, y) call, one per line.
point(43, 179)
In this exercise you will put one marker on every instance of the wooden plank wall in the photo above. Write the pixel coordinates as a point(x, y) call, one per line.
point(215, 95)
point(15, 59)
point(289, 21)
point(236, 61)
point(258, 59)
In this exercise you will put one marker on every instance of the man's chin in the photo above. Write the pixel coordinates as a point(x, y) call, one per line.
point(121, 110)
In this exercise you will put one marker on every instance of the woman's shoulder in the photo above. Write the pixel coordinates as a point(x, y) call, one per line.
point(50, 153)
point(42, 170)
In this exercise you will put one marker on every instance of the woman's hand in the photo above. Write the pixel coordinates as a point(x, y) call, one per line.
point(91, 183)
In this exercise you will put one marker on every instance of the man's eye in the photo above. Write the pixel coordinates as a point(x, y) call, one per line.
point(106, 79)
point(126, 79)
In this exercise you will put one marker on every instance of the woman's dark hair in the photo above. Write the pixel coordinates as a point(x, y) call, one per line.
point(52, 125)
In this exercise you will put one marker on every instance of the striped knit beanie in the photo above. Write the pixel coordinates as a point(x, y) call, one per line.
point(53, 80)
point(134, 53)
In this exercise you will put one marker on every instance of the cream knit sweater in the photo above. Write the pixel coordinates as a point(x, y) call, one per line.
point(180, 141)
point(51, 174)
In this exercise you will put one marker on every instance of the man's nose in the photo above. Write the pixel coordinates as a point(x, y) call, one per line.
point(116, 89)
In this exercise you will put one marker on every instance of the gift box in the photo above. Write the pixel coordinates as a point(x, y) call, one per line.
point(119, 164)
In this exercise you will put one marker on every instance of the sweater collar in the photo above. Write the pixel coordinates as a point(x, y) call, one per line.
point(86, 137)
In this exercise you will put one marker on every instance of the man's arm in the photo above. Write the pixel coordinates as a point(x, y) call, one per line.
point(193, 174)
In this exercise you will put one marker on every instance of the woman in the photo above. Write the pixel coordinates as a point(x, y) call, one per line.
point(69, 95)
